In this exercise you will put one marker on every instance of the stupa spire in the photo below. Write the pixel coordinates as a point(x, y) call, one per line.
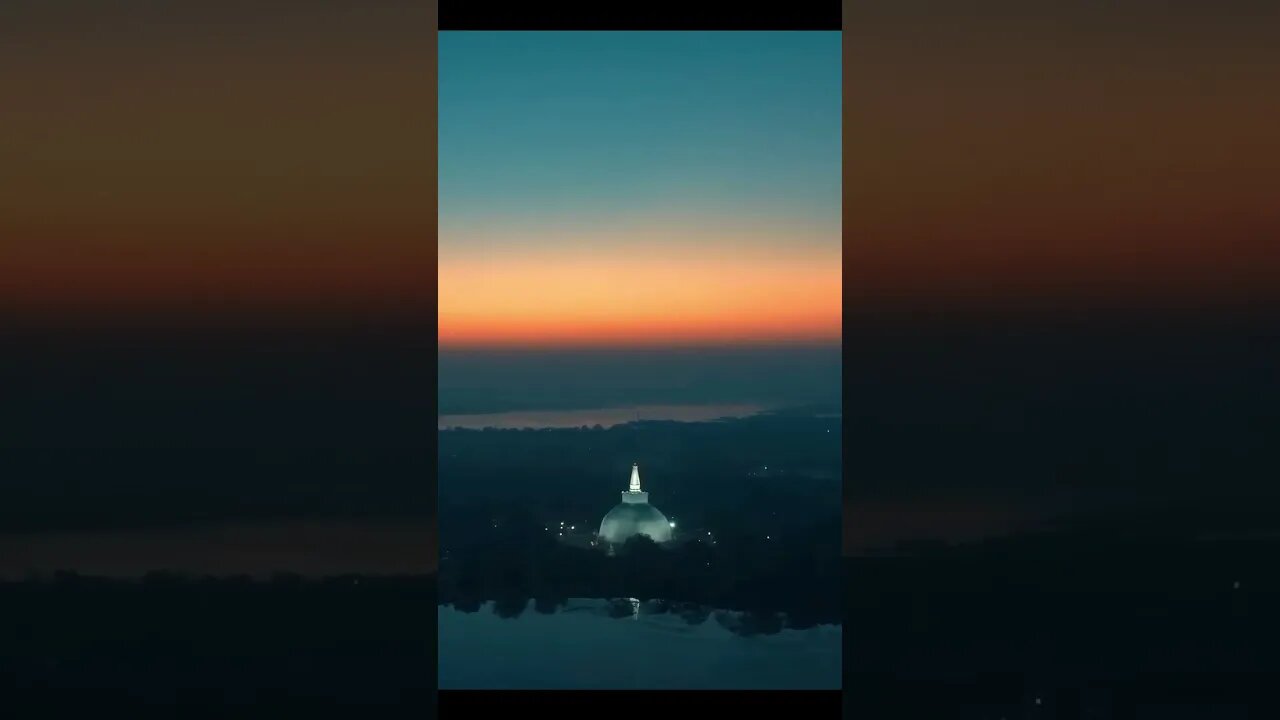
point(635, 478)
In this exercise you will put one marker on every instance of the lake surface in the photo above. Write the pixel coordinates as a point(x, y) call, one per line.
point(581, 646)
point(605, 417)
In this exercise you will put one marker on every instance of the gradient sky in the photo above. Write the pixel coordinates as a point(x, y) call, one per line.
point(1005, 155)
point(599, 188)
point(210, 213)
point(1101, 175)
point(216, 159)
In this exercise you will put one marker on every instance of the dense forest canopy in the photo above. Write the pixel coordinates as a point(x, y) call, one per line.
point(761, 493)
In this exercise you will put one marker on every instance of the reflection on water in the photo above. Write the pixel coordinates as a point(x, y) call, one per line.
point(629, 644)
point(605, 417)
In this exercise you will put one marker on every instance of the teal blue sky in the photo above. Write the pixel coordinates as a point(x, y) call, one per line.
point(541, 131)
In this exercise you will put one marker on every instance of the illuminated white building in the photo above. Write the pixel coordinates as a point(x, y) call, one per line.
point(635, 516)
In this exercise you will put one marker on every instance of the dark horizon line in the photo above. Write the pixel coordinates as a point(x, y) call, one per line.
point(423, 326)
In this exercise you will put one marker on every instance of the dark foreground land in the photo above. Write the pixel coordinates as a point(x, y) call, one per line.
point(164, 638)
point(795, 575)
point(758, 500)
point(1065, 626)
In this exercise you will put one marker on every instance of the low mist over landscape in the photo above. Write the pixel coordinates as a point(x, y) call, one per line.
point(510, 379)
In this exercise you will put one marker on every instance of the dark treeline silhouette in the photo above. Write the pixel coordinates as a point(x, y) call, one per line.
point(160, 434)
point(109, 489)
point(1096, 621)
point(340, 384)
point(132, 428)
point(746, 623)
point(797, 574)
point(167, 637)
point(1140, 450)
point(1144, 407)
point(759, 542)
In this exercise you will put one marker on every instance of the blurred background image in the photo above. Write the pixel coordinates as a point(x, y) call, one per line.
point(216, 243)
point(1061, 352)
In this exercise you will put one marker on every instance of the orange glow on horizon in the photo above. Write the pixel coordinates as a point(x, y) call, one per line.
point(700, 297)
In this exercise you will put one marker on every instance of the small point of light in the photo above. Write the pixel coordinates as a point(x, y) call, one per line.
point(673, 524)
point(1037, 701)
point(1236, 585)
point(768, 537)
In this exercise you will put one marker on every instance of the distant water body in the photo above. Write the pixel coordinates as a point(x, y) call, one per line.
point(580, 647)
point(605, 417)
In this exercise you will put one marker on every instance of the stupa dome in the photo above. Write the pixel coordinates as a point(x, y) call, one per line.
point(635, 516)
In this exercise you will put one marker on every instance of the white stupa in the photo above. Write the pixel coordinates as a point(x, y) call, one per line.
point(634, 516)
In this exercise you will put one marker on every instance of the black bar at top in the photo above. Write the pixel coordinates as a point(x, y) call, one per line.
point(653, 15)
